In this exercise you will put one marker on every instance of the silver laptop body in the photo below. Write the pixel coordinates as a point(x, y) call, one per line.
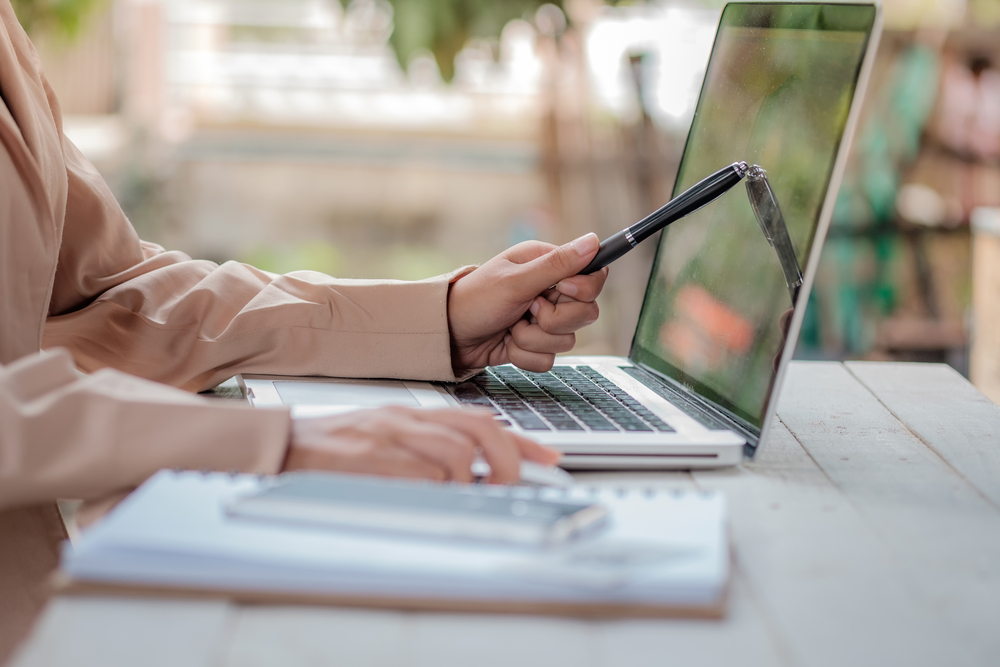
point(717, 329)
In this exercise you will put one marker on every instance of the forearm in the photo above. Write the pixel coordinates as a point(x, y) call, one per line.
point(192, 324)
point(71, 437)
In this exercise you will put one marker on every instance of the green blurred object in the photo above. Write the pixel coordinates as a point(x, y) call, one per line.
point(311, 255)
point(858, 282)
point(399, 261)
point(63, 17)
point(444, 26)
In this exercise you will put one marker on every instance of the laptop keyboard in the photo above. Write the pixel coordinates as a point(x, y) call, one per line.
point(564, 399)
point(678, 399)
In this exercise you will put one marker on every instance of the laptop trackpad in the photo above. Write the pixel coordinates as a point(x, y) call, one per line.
point(324, 398)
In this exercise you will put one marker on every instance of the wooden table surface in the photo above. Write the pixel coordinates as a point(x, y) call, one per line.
point(867, 532)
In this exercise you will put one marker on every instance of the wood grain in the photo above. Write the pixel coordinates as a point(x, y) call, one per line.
point(301, 636)
point(828, 588)
point(942, 534)
point(742, 638)
point(945, 412)
point(99, 631)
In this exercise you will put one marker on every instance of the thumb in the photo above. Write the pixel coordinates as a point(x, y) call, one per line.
point(561, 262)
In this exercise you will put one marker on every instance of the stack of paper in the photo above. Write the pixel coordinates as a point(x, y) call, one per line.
point(661, 554)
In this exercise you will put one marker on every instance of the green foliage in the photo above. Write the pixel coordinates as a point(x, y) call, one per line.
point(282, 258)
point(63, 17)
point(400, 261)
point(444, 26)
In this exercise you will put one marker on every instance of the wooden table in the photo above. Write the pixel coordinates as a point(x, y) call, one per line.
point(867, 532)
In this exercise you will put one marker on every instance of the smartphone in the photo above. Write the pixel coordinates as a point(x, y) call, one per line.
point(459, 511)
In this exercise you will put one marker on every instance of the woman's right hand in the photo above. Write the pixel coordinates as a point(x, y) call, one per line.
point(407, 442)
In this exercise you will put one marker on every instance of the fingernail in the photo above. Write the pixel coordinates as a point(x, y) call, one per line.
point(569, 289)
point(586, 244)
point(534, 307)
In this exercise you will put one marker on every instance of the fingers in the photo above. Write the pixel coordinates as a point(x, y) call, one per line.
point(485, 304)
point(537, 275)
point(536, 362)
point(403, 442)
point(564, 317)
point(355, 443)
point(533, 451)
point(532, 345)
point(399, 442)
point(397, 462)
point(502, 449)
point(785, 321)
point(498, 447)
point(534, 338)
point(494, 440)
point(448, 449)
point(583, 288)
point(524, 252)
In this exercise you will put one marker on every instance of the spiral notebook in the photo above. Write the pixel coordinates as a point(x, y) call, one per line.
point(658, 554)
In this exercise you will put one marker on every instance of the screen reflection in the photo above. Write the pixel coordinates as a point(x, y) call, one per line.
point(716, 312)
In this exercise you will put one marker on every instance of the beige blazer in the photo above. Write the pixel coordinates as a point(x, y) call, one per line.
point(76, 280)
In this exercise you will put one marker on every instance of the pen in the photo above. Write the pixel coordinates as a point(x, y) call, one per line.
point(701, 193)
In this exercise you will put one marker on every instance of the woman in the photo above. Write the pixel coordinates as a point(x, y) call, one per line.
point(76, 281)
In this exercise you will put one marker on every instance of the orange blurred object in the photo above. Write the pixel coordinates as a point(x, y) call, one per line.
point(705, 331)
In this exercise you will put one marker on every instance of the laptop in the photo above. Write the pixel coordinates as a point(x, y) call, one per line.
point(717, 327)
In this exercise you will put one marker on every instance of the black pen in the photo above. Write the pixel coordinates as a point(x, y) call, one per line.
point(701, 193)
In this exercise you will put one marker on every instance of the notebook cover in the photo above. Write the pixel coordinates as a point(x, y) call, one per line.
point(65, 585)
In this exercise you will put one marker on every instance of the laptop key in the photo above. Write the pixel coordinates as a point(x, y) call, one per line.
point(568, 399)
point(656, 422)
point(636, 427)
point(677, 399)
point(603, 425)
point(468, 394)
point(529, 423)
point(568, 426)
point(612, 400)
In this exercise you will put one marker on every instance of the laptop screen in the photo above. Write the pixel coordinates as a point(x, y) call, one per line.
point(777, 93)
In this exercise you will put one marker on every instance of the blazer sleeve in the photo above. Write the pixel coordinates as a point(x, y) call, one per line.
point(67, 436)
point(123, 303)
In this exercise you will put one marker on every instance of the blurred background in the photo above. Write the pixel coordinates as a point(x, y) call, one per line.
point(404, 138)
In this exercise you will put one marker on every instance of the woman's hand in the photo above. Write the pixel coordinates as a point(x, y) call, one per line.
point(505, 311)
point(408, 442)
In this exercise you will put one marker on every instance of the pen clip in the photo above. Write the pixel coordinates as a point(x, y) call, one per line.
point(772, 224)
point(762, 200)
